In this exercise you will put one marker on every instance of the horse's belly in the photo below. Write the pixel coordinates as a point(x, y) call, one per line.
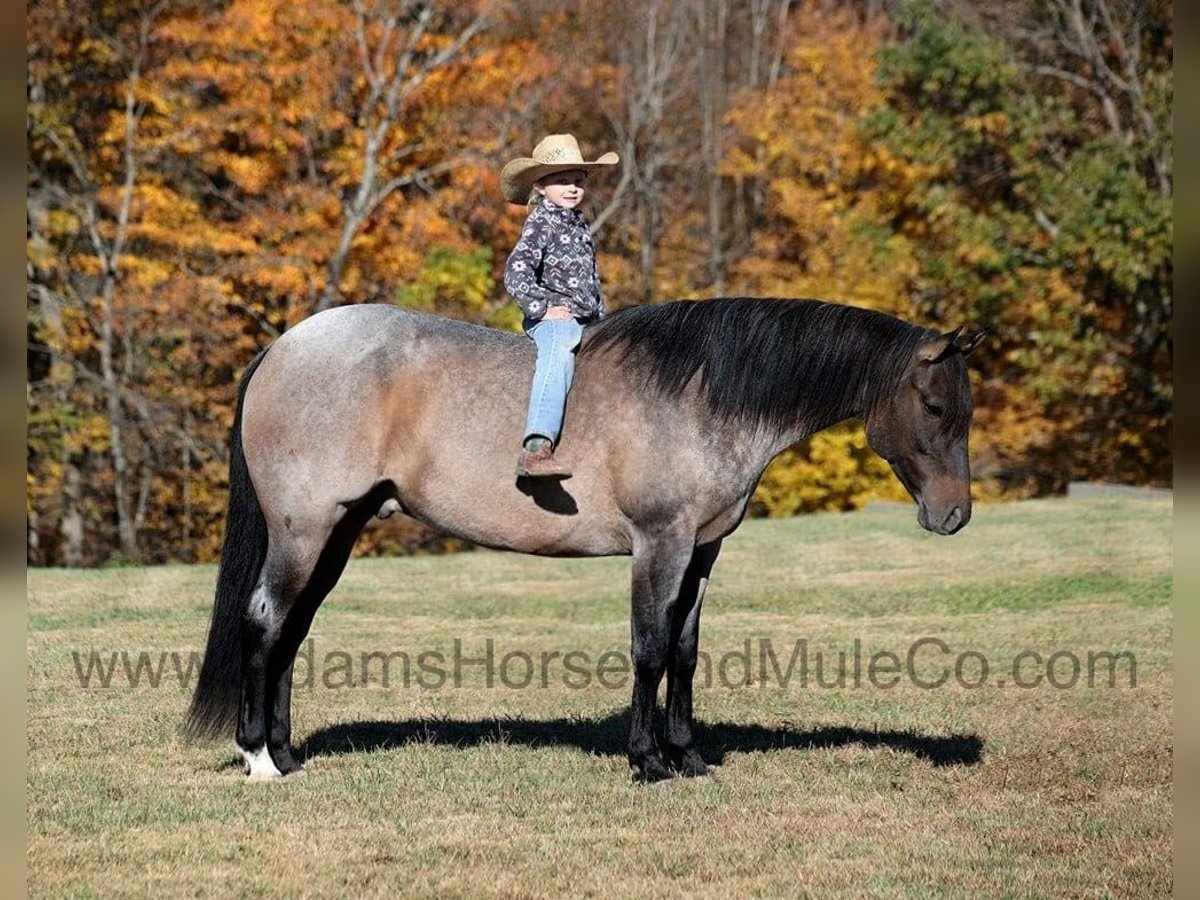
point(552, 518)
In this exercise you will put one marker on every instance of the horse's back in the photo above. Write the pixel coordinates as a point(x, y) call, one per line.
point(387, 338)
point(360, 396)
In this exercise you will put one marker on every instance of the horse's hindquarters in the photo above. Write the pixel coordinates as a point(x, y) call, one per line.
point(332, 415)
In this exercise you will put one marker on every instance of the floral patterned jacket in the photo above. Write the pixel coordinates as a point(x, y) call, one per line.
point(554, 264)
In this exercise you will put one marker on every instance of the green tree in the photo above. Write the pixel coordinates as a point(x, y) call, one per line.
point(1030, 215)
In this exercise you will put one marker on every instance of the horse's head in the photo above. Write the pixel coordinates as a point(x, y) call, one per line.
point(922, 430)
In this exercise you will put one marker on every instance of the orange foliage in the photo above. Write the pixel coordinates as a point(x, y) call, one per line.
point(202, 180)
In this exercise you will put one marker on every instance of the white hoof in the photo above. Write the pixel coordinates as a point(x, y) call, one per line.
point(389, 508)
point(260, 766)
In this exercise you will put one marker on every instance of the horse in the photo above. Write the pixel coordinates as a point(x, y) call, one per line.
point(675, 411)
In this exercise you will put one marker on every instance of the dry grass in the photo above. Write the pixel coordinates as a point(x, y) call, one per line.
point(481, 791)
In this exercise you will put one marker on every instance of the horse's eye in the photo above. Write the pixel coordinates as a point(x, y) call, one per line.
point(933, 409)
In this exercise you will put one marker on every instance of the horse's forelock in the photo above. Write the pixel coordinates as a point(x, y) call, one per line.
point(956, 420)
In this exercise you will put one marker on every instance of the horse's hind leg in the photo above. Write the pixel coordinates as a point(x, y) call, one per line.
point(297, 618)
point(287, 570)
point(681, 666)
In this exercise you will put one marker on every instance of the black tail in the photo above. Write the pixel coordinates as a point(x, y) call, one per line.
point(218, 692)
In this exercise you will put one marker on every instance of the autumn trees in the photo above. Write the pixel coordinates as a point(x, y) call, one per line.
point(104, 225)
point(203, 174)
point(1040, 205)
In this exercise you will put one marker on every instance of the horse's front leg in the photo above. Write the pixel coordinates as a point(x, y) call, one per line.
point(659, 566)
point(684, 647)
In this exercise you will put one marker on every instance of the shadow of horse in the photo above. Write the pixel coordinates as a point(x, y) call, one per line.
point(608, 736)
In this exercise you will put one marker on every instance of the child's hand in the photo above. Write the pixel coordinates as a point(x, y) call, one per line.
point(554, 313)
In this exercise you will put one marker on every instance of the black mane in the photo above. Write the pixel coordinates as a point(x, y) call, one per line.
point(763, 360)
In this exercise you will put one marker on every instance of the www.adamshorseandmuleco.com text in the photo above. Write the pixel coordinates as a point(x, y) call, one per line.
point(926, 663)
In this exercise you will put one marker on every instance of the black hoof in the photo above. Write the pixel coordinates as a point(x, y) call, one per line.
point(284, 761)
point(688, 764)
point(649, 770)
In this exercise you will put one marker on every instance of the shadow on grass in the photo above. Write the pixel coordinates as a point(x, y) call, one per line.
point(607, 737)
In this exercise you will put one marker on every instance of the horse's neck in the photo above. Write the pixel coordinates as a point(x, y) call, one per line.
point(813, 415)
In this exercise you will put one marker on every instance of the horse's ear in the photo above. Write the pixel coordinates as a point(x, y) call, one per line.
point(969, 343)
point(936, 349)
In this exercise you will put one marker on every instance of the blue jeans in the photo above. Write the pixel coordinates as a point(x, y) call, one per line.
point(556, 341)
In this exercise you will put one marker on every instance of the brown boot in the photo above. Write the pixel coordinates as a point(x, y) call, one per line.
point(540, 463)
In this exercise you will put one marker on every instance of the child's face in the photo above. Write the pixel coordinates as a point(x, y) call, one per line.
point(563, 189)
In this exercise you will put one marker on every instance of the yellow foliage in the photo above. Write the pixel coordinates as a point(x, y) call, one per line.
point(250, 173)
point(143, 275)
point(833, 470)
point(825, 186)
point(249, 142)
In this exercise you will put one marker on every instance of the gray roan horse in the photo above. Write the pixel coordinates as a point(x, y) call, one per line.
point(675, 411)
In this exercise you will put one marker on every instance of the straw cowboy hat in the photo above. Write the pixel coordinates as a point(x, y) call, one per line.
point(555, 153)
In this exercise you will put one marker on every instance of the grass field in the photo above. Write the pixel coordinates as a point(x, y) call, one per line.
point(891, 788)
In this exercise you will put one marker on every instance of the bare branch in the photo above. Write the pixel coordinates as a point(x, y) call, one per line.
point(1091, 31)
point(780, 43)
point(259, 319)
point(154, 417)
point(391, 92)
point(1045, 223)
point(618, 194)
point(1107, 105)
point(420, 178)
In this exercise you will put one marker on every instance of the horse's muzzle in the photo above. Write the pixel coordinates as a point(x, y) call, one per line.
point(944, 522)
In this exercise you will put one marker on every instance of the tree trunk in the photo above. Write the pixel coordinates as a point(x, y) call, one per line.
point(716, 17)
point(126, 535)
point(393, 75)
point(70, 526)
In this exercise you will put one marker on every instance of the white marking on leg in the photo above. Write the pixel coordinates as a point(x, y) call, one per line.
point(262, 767)
point(262, 608)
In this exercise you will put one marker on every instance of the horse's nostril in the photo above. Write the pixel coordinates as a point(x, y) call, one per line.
point(953, 519)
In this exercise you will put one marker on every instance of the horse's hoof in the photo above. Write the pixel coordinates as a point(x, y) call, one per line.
point(264, 777)
point(284, 761)
point(289, 775)
point(259, 765)
point(651, 771)
point(689, 764)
